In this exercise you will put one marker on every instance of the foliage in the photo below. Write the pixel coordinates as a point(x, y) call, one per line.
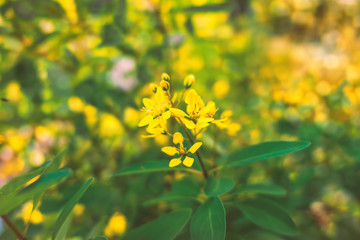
point(280, 73)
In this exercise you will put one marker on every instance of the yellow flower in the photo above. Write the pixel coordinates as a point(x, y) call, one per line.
point(156, 131)
point(226, 123)
point(198, 115)
point(178, 139)
point(116, 225)
point(76, 104)
point(109, 126)
point(2, 139)
point(30, 214)
point(156, 109)
point(221, 89)
point(189, 81)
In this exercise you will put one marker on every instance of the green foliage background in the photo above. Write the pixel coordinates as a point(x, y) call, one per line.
point(74, 72)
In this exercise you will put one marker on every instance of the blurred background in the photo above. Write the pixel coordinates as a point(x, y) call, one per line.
point(73, 73)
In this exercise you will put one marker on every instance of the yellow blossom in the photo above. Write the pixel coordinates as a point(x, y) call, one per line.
point(28, 214)
point(156, 110)
point(184, 158)
point(226, 123)
point(221, 89)
point(79, 209)
point(13, 92)
point(116, 225)
point(198, 115)
point(76, 104)
point(131, 116)
point(110, 126)
point(2, 139)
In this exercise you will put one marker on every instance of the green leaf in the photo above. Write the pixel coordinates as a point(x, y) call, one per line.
point(110, 35)
point(149, 166)
point(28, 193)
point(217, 186)
point(15, 184)
point(263, 151)
point(166, 227)
point(65, 227)
point(208, 222)
point(99, 238)
point(268, 215)
point(56, 162)
point(169, 198)
point(53, 166)
point(261, 235)
point(69, 206)
point(265, 189)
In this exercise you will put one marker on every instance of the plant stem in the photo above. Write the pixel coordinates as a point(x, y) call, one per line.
point(13, 228)
point(205, 173)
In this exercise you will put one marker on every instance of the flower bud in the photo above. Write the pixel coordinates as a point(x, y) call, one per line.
point(165, 85)
point(165, 77)
point(189, 81)
point(153, 87)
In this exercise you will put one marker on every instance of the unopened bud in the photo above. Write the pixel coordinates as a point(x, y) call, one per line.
point(153, 87)
point(165, 77)
point(189, 81)
point(165, 85)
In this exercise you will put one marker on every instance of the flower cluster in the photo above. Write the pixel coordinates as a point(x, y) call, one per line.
point(194, 119)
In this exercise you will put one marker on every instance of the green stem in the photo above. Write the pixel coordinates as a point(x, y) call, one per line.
point(205, 173)
point(13, 227)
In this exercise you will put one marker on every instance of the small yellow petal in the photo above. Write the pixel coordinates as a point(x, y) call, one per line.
point(188, 161)
point(201, 125)
point(178, 138)
point(177, 112)
point(174, 162)
point(154, 122)
point(191, 97)
point(145, 121)
point(188, 123)
point(148, 103)
point(205, 119)
point(195, 147)
point(171, 151)
point(166, 115)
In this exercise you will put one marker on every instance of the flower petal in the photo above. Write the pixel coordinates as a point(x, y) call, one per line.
point(174, 162)
point(202, 119)
point(148, 103)
point(166, 115)
point(191, 97)
point(188, 161)
point(145, 121)
point(188, 123)
point(177, 112)
point(171, 151)
point(154, 122)
point(178, 138)
point(195, 147)
point(201, 125)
